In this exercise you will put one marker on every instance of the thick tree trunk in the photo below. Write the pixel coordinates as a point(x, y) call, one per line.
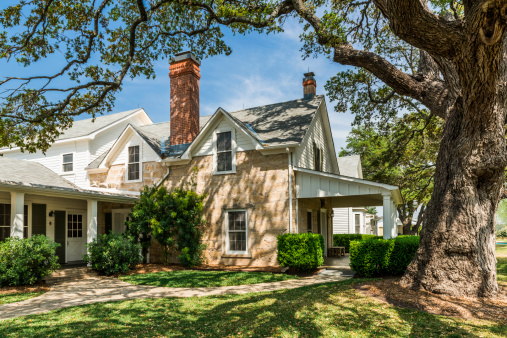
point(457, 249)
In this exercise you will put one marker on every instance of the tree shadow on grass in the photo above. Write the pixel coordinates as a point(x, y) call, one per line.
point(321, 310)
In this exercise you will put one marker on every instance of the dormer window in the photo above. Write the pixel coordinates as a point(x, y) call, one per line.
point(68, 163)
point(133, 166)
point(225, 152)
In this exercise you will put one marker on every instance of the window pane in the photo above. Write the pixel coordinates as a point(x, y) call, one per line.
point(134, 154)
point(67, 158)
point(224, 141)
point(133, 171)
point(68, 167)
point(224, 161)
point(357, 219)
point(4, 233)
point(237, 241)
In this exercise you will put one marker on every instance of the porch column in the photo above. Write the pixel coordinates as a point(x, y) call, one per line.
point(91, 229)
point(17, 213)
point(389, 215)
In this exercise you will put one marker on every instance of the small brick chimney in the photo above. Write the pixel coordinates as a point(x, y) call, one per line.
point(184, 75)
point(309, 86)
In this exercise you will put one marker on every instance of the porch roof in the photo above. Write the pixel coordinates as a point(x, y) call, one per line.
point(345, 191)
point(33, 177)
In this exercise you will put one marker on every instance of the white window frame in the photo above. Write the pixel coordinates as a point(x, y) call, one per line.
point(129, 145)
point(360, 222)
point(73, 163)
point(233, 149)
point(227, 250)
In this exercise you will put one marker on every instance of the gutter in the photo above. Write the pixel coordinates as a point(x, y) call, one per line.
point(289, 153)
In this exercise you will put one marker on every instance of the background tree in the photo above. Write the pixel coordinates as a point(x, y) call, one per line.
point(459, 77)
point(397, 157)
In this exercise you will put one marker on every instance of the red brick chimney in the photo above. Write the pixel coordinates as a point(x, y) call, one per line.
point(309, 86)
point(184, 75)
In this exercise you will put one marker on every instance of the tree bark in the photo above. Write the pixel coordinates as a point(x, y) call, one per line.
point(457, 248)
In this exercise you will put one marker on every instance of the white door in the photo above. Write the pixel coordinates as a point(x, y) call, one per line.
point(76, 237)
point(323, 227)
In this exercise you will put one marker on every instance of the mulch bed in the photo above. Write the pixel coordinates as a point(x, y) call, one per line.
point(389, 290)
point(41, 287)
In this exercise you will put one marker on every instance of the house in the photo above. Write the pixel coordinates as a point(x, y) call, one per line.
point(266, 170)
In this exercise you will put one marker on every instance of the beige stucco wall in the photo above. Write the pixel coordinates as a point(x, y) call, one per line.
point(260, 185)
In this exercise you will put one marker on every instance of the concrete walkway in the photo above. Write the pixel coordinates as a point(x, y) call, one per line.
point(96, 290)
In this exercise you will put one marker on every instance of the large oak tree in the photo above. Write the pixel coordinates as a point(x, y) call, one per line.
point(459, 78)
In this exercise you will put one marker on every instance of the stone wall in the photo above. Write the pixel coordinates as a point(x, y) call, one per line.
point(260, 185)
point(114, 178)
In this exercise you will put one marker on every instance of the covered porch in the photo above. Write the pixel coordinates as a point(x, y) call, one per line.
point(318, 193)
point(36, 201)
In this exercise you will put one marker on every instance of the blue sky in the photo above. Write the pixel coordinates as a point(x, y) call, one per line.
point(262, 69)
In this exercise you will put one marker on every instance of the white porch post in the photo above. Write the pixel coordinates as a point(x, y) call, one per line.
point(17, 213)
point(389, 215)
point(91, 230)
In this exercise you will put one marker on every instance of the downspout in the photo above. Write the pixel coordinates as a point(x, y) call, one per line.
point(290, 189)
point(163, 178)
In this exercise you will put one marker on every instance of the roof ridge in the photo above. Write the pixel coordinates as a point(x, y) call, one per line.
point(277, 103)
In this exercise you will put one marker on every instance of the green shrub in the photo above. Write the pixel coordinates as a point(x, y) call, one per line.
point(27, 261)
point(344, 239)
point(502, 233)
point(113, 253)
point(376, 257)
point(302, 252)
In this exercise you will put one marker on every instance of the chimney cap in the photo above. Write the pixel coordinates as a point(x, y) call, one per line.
point(184, 56)
point(309, 75)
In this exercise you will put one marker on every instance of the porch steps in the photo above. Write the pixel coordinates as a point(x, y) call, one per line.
point(70, 274)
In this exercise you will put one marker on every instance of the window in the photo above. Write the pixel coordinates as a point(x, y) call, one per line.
point(5, 221)
point(68, 163)
point(225, 162)
point(74, 226)
point(309, 220)
point(237, 232)
point(317, 158)
point(357, 221)
point(133, 163)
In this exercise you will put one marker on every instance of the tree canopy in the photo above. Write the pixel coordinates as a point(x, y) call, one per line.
point(405, 156)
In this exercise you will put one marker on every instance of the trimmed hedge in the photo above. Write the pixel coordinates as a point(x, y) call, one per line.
point(302, 252)
point(113, 253)
point(376, 257)
point(27, 261)
point(344, 239)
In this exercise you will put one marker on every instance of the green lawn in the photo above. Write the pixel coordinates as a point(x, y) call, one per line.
point(197, 278)
point(322, 310)
point(17, 297)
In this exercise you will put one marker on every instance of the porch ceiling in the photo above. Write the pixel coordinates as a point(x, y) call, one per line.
point(344, 191)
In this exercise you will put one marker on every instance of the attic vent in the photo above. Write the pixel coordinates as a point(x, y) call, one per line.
point(253, 131)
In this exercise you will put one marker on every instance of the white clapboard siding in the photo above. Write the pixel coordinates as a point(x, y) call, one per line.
point(53, 159)
point(104, 140)
point(341, 221)
point(147, 153)
point(316, 133)
point(205, 147)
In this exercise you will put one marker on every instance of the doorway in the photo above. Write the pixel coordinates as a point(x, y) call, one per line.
point(75, 237)
point(120, 216)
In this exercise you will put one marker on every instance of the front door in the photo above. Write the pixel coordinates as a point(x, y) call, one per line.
point(323, 228)
point(60, 235)
point(76, 237)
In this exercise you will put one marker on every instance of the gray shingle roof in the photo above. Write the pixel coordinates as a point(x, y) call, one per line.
point(349, 165)
point(86, 127)
point(279, 123)
point(23, 173)
point(274, 124)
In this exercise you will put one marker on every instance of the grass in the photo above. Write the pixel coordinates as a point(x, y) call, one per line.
point(197, 278)
point(17, 297)
point(322, 310)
